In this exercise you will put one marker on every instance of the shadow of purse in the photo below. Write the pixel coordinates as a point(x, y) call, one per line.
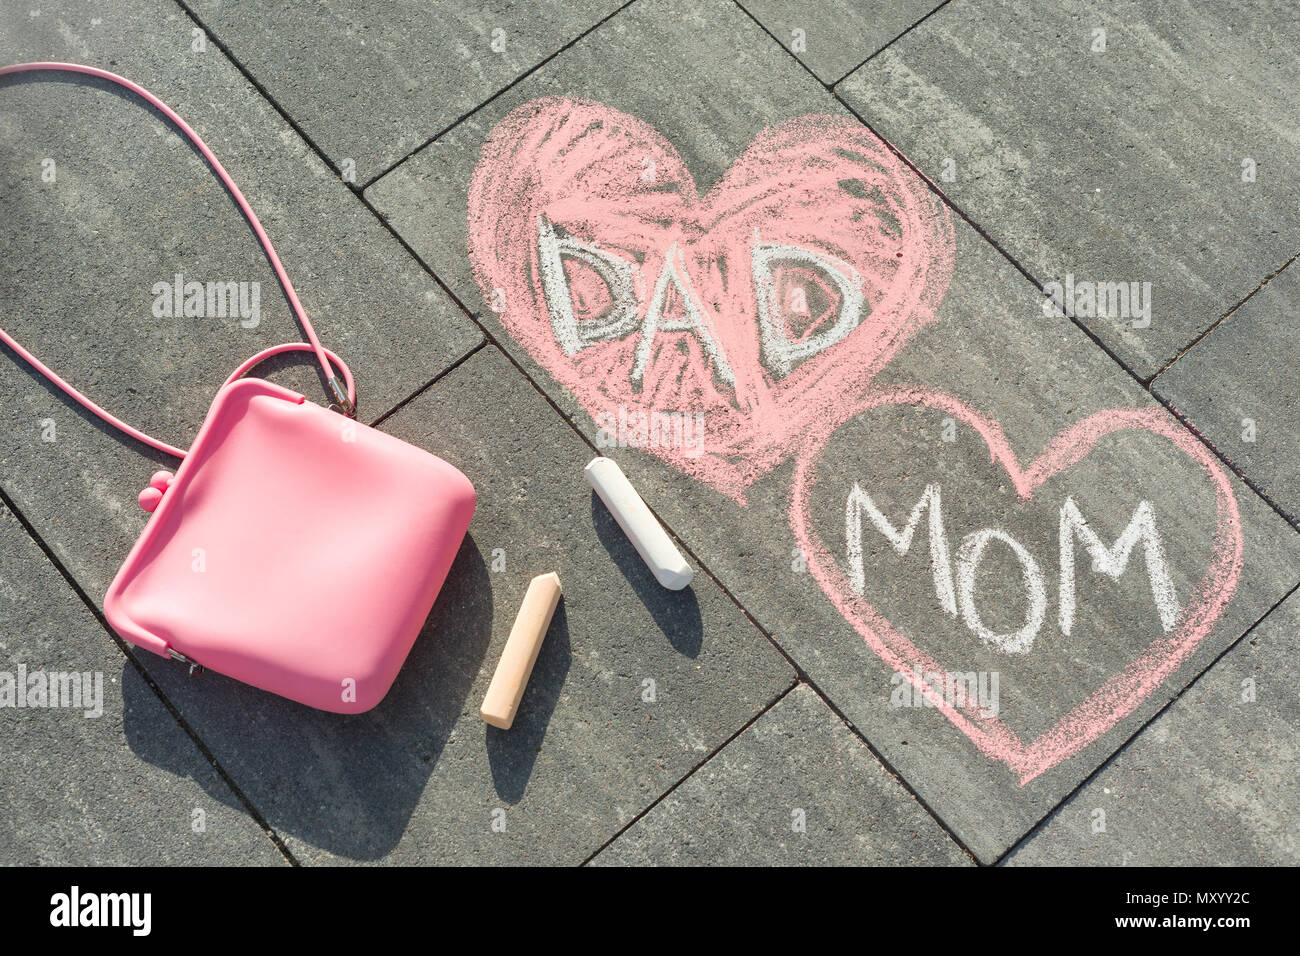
point(295, 549)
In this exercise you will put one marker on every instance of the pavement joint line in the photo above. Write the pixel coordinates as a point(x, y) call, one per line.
point(987, 237)
point(889, 768)
point(1221, 319)
point(1293, 520)
point(1037, 827)
point(691, 772)
point(429, 384)
point(505, 89)
point(890, 43)
point(72, 582)
point(1144, 384)
point(261, 90)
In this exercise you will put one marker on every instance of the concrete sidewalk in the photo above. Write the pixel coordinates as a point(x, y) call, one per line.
point(1073, 232)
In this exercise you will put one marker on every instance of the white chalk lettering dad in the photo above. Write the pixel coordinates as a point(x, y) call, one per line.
point(781, 353)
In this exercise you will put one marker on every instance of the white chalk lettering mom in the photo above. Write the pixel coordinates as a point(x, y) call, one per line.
point(955, 589)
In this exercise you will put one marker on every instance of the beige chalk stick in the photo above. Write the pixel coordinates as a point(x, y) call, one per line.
point(520, 654)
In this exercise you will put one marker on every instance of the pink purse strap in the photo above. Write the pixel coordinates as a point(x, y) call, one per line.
point(343, 390)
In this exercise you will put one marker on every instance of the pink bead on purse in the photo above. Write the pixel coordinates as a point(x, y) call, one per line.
point(295, 549)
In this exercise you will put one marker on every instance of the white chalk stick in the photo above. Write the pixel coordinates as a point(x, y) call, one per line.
point(646, 534)
point(516, 665)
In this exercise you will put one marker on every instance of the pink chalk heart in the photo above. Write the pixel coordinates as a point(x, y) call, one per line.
point(1160, 648)
point(712, 330)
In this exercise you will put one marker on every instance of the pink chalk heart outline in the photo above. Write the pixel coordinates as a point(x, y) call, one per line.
point(1119, 695)
point(590, 240)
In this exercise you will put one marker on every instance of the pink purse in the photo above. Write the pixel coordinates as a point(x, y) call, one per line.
point(295, 549)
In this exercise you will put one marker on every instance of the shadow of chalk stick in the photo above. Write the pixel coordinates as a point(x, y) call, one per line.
point(512, 753)
point(677, 613)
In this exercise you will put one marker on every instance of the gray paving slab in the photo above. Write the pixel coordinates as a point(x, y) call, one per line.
point(1210, 782)
point(1167, 158)
point(131, 206)
point(796, 788)
point(75, 791)
point(1238, 388)
point(635, 685)
point(370, 83)
point(834, 37)
point(994, 350)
